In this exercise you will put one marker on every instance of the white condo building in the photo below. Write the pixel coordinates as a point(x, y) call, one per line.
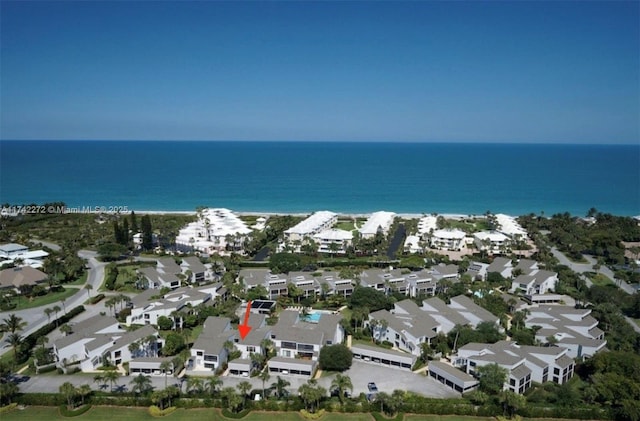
point(377, 222)
point(427, 225)
point(314, 224)
point(448, 239)
point(214, 230)
point(509, 226)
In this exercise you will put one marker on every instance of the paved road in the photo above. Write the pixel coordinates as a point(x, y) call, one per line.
point(36, 318)
point(588, 267)
point(361, 373)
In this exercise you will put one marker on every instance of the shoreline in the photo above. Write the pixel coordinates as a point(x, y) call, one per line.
point(457, 216)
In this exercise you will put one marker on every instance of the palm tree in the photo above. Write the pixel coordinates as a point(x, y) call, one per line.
point(213, 383)
point(42, 341)
point(342, 383)
point(48, 312)
point(15, 341)
point(264, 376)
point(194, 384)
point(99, 378)
point(88, 287)
point(84, 391)
point(69, 391)
point(165, 366)
point(111, 376)
point(66, 329)
point(280, 385)
point(56, 309)
point(12, 324)
point(267, 347)
point(233, 400)
point(244, 388)
point(134, 348)
point(141, 384)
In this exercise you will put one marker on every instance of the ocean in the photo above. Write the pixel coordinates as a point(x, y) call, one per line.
point(297, 177)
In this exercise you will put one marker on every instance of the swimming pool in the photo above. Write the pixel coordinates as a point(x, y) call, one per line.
point(312, 317)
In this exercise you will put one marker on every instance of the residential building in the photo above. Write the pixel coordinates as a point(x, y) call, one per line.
point(378, 222)
point(573, 329)
point(195, 271)
point(147, 307)
point(19, 255)
point(307, 228)
point(333, 240)
point(413, 244)
point(298, 342)
point(407, 328)
point(501, 265)
point(18, 278)
point(384, 357)
point(460, 311)
point(524, 364)
point(426, 226)
point(216, 231)
point(209, 352)
point(508, 225)
point(492, 242)
point(478, 271)
point(450, 376)
point(535, 282)
point(12, 250)
point(448, 239)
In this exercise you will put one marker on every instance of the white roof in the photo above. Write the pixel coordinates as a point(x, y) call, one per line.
point(11, 247)
point(217, 222)
point(492, 236)
point(377, 219)
point(509, 225)
point(334, 235)
point(312, 223)
point(450, 234)
point(427, 223)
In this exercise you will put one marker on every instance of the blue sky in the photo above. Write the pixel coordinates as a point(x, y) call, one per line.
point(349, 71)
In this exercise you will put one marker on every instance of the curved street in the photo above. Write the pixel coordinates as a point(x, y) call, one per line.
point(36, 318)
point(588, 267)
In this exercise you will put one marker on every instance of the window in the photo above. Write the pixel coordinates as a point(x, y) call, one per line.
point(251, 349)
point(556, 371)
point(199, 353)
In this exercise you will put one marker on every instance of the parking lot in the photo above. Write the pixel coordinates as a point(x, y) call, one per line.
point(389, 379)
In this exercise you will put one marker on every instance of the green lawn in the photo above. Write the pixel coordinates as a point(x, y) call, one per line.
point(81, 280)
point(600, 280)
point(135, 414)
point(345, 225)
point(43, 300)
point(101, 413)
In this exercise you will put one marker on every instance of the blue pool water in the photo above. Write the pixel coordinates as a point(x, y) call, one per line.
point(313, 317)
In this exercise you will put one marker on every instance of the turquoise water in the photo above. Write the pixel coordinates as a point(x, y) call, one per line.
point(307, 176)
point(312, 317)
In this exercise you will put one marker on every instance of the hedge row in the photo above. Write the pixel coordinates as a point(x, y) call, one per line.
point(413, 405)
point(96, 299)
point(30, 341)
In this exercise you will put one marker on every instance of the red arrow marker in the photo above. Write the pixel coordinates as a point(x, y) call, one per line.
point(244, 328)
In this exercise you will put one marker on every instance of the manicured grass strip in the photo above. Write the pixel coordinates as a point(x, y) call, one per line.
point(49, 298)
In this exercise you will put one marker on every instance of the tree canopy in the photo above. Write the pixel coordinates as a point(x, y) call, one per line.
point(335, 357)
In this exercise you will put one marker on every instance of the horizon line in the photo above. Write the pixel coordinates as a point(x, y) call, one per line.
point(463, 142)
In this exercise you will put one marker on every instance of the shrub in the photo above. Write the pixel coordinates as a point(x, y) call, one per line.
point(8, 408)
point(312, 416)
point(66, 412)
point(335, 357)
point(154, 411)
point(96, 299)
point(233, 415)
point(41, 399)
